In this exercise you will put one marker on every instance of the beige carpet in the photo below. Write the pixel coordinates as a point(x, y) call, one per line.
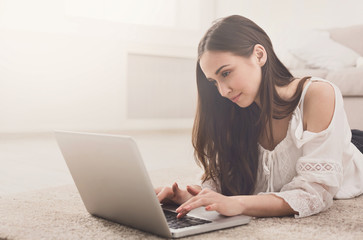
point(58, 213)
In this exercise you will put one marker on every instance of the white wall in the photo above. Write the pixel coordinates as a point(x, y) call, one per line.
point(58, 71)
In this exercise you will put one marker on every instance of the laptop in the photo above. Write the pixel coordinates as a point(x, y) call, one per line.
point(114, 185)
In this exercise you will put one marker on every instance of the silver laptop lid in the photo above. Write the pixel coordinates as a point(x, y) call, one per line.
point(103, 168)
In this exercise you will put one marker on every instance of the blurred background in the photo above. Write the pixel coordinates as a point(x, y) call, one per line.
point(125, 64)
point(118, 66)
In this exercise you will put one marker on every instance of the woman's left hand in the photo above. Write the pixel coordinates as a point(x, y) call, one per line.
point(212, 201)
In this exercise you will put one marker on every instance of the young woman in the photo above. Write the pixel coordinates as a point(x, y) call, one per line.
point(270, 144)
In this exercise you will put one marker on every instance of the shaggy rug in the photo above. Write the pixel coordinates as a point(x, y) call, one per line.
point(58, 213)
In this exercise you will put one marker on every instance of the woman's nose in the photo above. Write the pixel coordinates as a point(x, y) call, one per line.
point(224, 89)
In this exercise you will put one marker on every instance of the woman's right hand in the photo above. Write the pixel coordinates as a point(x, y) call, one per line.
point(176, 195)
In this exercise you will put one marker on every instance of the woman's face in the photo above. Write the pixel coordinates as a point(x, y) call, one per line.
point(237, 78)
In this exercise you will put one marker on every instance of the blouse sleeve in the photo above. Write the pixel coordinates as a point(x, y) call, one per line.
point(210, 184)
point(319, 170)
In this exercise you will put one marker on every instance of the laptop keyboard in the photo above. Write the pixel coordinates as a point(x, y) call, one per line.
point(186, 221)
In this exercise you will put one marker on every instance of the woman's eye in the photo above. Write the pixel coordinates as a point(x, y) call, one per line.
point(226, 73)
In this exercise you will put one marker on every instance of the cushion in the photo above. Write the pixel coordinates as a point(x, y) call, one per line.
point(323, 52)
point(349, 80)
point(299, 73)
point(351, 37)
point(295, 39)
point(360, 62)
point(292, 62)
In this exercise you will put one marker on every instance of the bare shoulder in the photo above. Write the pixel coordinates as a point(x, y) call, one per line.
point(319, 105)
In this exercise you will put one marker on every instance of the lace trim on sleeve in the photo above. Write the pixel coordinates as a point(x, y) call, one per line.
point(326, 172)
point(319, 167)
point(308, 200)
point(301, 202)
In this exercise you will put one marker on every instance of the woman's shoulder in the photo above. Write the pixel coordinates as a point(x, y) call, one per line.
point(319, 106)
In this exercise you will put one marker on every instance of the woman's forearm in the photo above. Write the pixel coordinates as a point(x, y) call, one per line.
point(267, 205)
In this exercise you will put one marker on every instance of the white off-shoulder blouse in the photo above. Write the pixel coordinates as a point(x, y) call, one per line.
point(309, 169)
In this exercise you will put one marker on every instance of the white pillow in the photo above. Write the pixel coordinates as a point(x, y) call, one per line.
point(291, 38)
point(322, 52)
point(292, 62)
point(360, 62)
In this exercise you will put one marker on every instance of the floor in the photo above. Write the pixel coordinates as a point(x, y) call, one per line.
point(34, 161)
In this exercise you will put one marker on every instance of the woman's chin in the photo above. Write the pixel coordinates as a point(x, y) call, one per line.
point(243, 104)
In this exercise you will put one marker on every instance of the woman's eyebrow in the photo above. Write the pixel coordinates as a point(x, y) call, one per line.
point(219, 69)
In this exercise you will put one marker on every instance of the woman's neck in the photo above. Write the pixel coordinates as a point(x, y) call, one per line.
point(285, 92)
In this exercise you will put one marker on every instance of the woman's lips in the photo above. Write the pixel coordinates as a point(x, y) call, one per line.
point(235, 99)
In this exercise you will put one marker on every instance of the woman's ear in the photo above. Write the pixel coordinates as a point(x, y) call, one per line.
point(261, 54)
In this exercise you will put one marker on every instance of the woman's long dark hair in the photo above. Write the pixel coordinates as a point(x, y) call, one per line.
point(225, 136)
